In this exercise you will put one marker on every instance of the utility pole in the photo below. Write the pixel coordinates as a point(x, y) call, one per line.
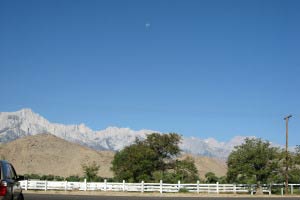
point(287, 153)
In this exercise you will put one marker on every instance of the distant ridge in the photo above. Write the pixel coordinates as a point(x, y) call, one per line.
point(14, 125)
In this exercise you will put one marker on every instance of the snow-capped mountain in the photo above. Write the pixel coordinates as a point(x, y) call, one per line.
point(25, 122)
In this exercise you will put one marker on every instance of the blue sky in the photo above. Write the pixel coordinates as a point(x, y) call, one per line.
point(199, 68)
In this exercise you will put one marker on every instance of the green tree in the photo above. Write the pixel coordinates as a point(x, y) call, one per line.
point(294, 165)
point(165, 147)
point(91, 171)
point(253, 162)
point(134, 163)
point(297, 155)
point(222, 180)
point(152, 159)
point(211, 177)
point(186, 170)
point(294, 175)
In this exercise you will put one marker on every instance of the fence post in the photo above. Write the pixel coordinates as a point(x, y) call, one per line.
point(66, 185)
point(26, 185)
point(142, 187)
point(208, 188)
point(178, 186)
point(234, 188)
point(85, 185)
point(123, 186)
point(198, 187)
point(161, 186)
point(105, 185)
point(45, 185)
point(292, 189)
point(217, 187)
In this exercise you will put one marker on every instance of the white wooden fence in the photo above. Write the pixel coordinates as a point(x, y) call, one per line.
point(148, 187)
point(134, 187)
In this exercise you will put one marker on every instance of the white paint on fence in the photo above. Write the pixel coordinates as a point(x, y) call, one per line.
point(45, 185)
point(143, 187)
point(105, 185)
point(161, 186)
point(123, 188)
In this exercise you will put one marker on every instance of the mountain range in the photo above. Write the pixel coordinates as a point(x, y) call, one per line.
point(25, 122)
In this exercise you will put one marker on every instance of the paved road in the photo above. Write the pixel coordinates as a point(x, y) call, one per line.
point(74, 197)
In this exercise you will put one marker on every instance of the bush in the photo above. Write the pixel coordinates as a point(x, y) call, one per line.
point(32, 176)
point(74, 178)
point(48, 177)
point(183, 190)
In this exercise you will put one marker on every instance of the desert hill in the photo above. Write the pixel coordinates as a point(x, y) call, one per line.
point(45, 154)
point(208, 164)
point(48, 154)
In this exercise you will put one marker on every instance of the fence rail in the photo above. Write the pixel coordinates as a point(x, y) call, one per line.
point(146, 187)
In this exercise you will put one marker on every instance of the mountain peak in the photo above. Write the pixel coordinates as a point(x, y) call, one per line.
point(14, 125)
point(27, 110)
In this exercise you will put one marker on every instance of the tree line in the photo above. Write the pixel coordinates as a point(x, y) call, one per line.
point(255, 161)
point(158, 158)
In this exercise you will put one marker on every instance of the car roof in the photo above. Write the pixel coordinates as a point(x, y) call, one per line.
point(4, 161)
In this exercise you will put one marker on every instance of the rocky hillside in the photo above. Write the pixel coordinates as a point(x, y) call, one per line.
point(47, 154)
point(14, 125)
